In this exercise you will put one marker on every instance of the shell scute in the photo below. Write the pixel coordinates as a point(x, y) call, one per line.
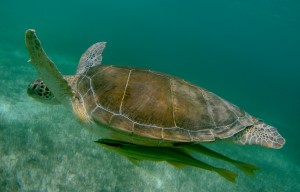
point(177, 134)
point(148, 131)
point(122, 123)
point(147, 99)
point(186, 99)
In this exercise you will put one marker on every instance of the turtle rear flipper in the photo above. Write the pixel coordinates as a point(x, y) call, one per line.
point(47, 69)
point(260, 134)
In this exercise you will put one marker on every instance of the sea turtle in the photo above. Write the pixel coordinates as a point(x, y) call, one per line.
point(141, 106)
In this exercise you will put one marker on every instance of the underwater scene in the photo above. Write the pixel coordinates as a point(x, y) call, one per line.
point(247, 52)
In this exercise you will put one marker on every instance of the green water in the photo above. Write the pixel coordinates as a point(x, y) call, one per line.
point(248, 52)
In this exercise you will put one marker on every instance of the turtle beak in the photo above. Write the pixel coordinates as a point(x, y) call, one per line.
point(31, 89)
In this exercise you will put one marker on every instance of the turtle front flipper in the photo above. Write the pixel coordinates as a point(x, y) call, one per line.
point(91, 57)
point(47, 69)
point(260, 134)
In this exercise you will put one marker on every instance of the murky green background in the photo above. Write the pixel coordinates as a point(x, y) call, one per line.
point(248, 52)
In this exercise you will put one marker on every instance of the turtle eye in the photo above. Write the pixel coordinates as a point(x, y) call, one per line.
point(34, 86)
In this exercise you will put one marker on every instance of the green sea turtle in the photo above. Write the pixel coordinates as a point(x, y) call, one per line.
point(142, 106)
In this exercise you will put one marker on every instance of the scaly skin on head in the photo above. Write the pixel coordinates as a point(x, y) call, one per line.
point(38, 90)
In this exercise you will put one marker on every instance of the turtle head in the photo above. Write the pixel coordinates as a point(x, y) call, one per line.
point(38, 90)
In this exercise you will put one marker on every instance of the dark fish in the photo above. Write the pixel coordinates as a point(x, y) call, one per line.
point(245, 167)
point(174, 156)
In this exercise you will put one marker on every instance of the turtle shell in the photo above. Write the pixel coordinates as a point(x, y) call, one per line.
point(157, 106)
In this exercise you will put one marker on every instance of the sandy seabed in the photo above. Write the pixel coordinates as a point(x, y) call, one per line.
point(43, 148)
